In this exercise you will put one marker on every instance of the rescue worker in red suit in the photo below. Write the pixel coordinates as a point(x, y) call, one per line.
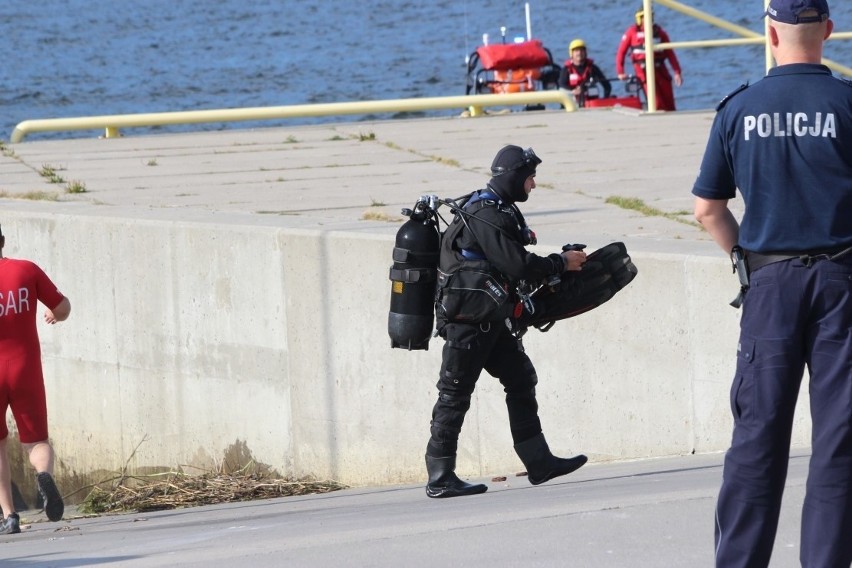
point(22, 286)
point(579, 73)
point(633, 43)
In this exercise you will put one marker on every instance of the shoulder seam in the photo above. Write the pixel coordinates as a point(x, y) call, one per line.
point(731, 95)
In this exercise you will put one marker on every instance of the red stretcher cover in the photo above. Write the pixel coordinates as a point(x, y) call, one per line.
point(504, 56)
point(629, 102)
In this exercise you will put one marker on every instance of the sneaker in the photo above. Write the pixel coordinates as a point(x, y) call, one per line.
point(11, 524)
point(53, 505)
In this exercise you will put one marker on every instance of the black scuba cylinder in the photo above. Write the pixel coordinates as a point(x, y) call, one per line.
point(413, 276)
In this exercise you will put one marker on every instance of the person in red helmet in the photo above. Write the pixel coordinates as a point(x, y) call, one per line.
point(633, 44)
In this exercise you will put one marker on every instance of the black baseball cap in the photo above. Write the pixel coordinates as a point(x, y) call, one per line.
point(788, 11)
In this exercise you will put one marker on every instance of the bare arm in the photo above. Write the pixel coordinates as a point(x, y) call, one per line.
point(59, 313)
point(714, 215)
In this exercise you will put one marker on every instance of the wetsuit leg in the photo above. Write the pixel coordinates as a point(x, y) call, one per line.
point(464, 354)
point(511, 365)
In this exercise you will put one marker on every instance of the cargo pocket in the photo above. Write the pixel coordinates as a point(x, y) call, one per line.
point(743, 393)
point(836, 296)
point(460, 362)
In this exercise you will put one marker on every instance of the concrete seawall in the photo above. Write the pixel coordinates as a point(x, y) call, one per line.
point(230, 294)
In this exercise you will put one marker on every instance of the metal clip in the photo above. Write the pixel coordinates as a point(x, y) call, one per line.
point(740, 267)
point(528, 303)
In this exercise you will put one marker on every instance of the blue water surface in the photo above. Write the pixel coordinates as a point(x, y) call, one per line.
point(67, 58)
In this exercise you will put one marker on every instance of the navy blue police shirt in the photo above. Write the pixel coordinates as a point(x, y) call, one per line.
point(786, 143)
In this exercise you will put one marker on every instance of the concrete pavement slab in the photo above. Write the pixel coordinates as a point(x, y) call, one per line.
point(334, 175)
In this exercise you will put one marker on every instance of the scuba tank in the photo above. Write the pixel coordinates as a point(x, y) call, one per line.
point(413, 276)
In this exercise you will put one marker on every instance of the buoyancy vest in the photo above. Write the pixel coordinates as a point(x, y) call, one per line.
point(576, 77)
point(469, 288)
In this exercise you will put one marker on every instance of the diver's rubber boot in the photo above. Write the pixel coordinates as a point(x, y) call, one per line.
point(443, 481)
point(541, 464)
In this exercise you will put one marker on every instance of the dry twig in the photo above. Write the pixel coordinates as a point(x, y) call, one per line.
point(181, 490)
point(175, 489)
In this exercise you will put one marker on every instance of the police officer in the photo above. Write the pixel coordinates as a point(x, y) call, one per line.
point(786, 143)
point(486, 243)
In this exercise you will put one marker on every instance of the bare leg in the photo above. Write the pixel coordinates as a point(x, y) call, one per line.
point(6, 500)
point(41, 456)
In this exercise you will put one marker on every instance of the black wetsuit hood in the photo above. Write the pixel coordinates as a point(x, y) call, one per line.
point(510, 169)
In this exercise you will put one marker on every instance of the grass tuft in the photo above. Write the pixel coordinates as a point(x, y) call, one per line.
point(31, 195)
point(49, 173)
point(75, 187)
point(636, 204)
point(375, 215)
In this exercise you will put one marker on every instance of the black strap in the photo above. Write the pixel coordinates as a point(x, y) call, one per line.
point(757, 260)
point(842, 254)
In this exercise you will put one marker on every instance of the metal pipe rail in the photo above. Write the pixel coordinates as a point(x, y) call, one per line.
point(759, 40)
point(748, 37)
point(112, 123)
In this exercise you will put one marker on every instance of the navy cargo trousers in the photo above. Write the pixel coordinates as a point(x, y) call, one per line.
point(796, 314)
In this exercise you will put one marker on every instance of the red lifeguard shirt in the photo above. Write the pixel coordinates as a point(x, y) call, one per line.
point(22, 286)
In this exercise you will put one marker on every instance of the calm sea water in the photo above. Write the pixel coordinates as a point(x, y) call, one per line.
point(66, 58)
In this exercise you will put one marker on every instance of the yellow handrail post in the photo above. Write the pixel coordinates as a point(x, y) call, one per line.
point(650, 71)
point(111, 132)
point(770, 62)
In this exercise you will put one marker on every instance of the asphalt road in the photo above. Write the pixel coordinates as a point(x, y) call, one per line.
point(649, 513)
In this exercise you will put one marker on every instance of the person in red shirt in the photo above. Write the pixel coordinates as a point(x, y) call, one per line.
point(22, 285)
point(633, 44)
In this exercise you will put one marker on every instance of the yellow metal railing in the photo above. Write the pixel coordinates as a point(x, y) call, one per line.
point(748, 37)
point(112, 123)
